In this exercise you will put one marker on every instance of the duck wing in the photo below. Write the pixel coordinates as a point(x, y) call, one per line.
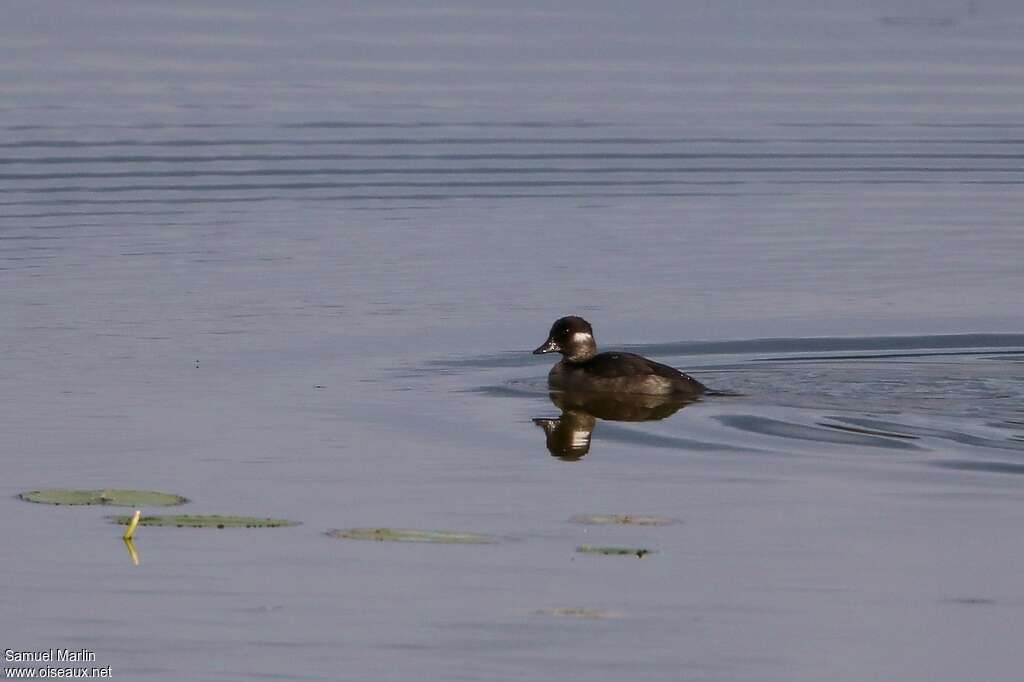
point(618, 364)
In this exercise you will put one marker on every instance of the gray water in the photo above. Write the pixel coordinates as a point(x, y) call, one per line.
point(289, 260)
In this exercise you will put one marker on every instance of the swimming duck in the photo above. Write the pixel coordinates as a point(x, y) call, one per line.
point(582, 368)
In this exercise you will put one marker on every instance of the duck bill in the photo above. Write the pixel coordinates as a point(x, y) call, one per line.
point(548, 346)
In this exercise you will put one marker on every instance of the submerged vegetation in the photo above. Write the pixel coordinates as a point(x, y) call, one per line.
point(622, 520)
point(405, 535)
point(581, 612)
point(638, 552)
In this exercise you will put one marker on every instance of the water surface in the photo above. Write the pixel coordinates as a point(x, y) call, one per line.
point(291, 261)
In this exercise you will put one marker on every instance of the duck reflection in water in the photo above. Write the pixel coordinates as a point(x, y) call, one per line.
point(568, 435)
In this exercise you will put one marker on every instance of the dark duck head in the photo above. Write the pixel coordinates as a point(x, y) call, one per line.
point(571, 336)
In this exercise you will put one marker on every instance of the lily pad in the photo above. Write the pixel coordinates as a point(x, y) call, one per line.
point(405, 535)
point(109, 497)
point(638, 552)
point(622, 520)
point(196, 521)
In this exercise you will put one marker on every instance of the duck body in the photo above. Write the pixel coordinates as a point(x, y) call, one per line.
point(582, 368)
point(618, 372)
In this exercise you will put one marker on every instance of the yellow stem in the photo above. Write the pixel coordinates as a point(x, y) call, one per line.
point(132, 525)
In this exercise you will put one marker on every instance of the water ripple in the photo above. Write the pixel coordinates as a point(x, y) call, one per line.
point(774, 427)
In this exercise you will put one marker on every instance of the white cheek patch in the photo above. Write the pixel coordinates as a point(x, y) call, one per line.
point(582, 337)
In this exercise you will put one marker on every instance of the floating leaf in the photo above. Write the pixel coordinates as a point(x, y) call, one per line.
point(622, 520)
point(111, 498)
point(638, 552)
point(190, 521)
point(404, 535)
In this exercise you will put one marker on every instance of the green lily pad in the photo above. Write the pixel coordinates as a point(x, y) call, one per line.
point(622, 520)
point(195, 521)
point(638, 552)
point(110, 498)
point(404, 535)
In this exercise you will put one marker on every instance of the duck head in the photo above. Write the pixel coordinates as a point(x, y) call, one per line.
point(571, 336)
